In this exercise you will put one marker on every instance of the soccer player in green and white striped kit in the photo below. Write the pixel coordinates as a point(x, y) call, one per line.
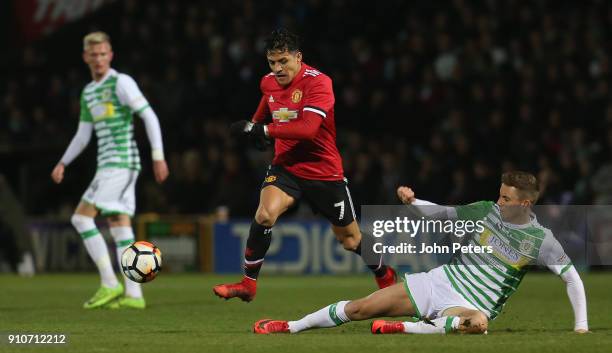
point(463, 295)
point(107, 106)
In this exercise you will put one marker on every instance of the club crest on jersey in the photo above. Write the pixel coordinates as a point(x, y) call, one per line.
point(284, 115)
point(296, 96)
point(106, 94)
point(526, 246)
point(271, 100)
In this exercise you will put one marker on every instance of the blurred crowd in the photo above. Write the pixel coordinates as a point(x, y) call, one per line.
point(442, 96)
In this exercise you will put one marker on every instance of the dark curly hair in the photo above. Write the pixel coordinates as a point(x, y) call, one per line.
point(282, 40)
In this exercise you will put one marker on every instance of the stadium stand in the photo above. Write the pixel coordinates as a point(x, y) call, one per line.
point(442, 97)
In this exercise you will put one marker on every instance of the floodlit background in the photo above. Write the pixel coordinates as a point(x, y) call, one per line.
point(441, 96)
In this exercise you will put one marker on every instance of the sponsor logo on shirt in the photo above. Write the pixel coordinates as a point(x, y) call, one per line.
point(270, 178)
point(502, 248)
point(102, 111)
point(284, 115)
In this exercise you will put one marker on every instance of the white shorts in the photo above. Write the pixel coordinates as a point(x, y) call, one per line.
point(431, 293)
point(113, 191)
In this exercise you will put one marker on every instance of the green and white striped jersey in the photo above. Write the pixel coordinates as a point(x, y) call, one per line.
point(109, 105)
point(488, 280)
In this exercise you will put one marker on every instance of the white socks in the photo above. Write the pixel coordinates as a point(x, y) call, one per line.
point(445, 324)
point(334, 315)
point(330, 316)
point(124, 237)
point(96, 247)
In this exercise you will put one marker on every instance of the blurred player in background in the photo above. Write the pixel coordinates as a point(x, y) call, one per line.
point(306, 165)
point(107, 105)
point(463, 295)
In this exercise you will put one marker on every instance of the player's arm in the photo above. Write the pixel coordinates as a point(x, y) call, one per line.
point(151, 122)
point(318, 101)
point(426, 208)
point(130, 95)
point(77, 145)
point(577, 297)
point(552, 256)
point(303, 129)
point(262, 112)
point(254, 129)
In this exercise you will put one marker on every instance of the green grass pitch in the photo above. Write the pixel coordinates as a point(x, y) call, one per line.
point(185, 316)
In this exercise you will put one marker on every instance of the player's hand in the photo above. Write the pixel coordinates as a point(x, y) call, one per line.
point(254, 131)
point(258, 137)
point(58, 173)
point(406, 195)
point(160, 170)
point(240, 128)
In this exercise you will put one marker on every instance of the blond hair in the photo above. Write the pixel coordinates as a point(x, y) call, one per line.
point(95, 38)
point(525, 183)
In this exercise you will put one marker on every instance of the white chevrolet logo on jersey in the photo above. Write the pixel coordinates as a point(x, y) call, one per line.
point(284, 115)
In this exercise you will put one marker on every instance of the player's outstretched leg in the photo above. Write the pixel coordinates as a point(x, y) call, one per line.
point(256, 248)
point(352, 238)
point(123, 235)
point(273, 202)
point(390, 301)
point(110, 287)
point(467, 321)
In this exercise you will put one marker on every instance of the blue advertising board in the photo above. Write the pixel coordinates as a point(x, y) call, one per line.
point(297, 247)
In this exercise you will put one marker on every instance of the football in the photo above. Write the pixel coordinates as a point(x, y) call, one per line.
point(141, 262)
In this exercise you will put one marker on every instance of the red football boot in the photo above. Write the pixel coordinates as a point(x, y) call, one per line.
point(389, 278)
point(384, 327)
point(267, 326)
point(244, 290)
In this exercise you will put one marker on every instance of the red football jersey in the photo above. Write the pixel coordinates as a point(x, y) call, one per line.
point(309, 91)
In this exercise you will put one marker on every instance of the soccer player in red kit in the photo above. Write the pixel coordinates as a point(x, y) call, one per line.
point(306, 165)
